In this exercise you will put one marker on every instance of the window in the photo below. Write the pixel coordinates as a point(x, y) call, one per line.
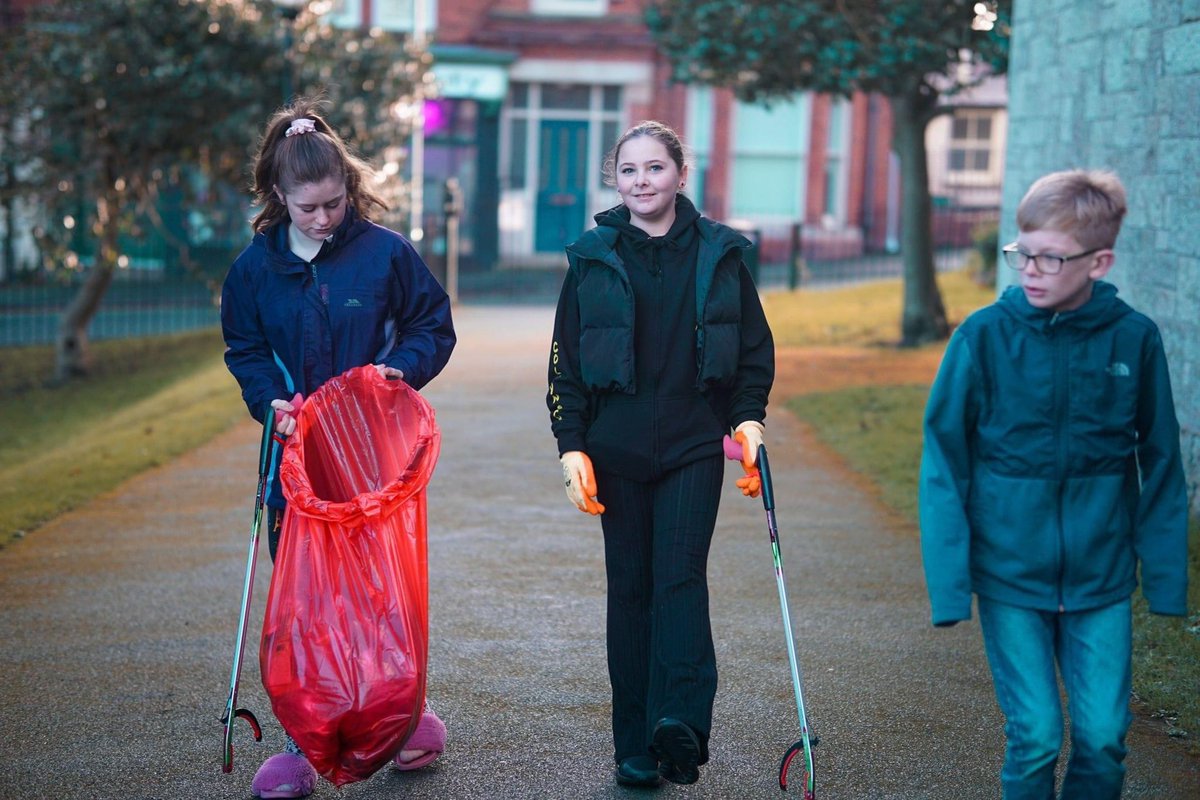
point(389, 15)
point(518, 138)
point(970, 153)
point(572, 96)
point(770, 159)
point(570, 8)
point(612, 98)
point(398, 15)
point(531, 104)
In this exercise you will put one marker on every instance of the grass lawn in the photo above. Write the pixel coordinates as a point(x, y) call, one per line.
point(148, 401)
point(863, 314)
point(874, 424)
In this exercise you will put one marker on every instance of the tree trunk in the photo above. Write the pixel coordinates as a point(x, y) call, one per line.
point(73, 358)
point(924, 316)
point(9, 269)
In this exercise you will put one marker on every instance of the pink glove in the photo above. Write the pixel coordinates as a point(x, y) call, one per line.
point(744, 447)
point(285, 414)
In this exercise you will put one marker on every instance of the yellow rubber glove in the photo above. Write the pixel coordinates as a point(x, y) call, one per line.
point(750, 435)
point(580, 482)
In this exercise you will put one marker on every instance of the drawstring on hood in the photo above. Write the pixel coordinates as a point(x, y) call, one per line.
point(655, 253)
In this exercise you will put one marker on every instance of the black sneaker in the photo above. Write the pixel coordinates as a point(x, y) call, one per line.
point(638, 771)
point(678, 749)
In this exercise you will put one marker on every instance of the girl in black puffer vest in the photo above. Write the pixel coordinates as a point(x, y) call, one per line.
point(660, 349)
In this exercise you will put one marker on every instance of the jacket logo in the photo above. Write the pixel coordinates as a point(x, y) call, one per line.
point(353, 302)
point(1118, 369)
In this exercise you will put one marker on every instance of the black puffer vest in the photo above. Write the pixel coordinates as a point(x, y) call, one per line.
point(606, 308)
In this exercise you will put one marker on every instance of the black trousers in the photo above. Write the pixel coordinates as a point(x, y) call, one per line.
point(274, 528)
point(661, 660)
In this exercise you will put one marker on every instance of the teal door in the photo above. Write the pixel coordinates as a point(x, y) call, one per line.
point(562, 184)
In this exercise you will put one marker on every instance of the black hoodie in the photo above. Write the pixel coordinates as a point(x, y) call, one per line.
point(666, 421)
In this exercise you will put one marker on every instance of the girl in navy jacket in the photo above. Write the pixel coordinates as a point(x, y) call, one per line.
point(319, 290)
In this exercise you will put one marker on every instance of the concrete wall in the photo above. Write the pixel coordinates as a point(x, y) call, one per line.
point(1115, 84)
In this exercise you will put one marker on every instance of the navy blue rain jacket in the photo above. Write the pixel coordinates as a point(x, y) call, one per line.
point(1051, 468)
point(366, 298)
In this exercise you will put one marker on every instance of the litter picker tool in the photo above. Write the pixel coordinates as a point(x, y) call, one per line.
point(803, 746)
point(265, 452)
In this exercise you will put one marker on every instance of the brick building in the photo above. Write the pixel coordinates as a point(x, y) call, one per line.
point(531, 93)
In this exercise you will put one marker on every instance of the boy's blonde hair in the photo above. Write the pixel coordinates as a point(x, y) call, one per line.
point(1085, 204)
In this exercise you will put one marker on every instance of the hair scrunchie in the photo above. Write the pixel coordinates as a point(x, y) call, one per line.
point(300, 127)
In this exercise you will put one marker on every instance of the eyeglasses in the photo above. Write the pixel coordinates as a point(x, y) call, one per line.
point(1046, 264)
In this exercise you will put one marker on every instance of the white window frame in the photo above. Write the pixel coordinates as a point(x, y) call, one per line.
point(517, 206)
point(837, 160)
point(397, 16)
point(969, 175)
point(569, 8)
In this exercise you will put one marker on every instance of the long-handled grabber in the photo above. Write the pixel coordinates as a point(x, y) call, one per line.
point(265, 453)
point(804, 744)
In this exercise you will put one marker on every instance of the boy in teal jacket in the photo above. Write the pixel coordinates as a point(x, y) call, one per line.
point(1051, 471)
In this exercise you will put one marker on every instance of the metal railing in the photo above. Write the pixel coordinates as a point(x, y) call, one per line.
point(149, 301)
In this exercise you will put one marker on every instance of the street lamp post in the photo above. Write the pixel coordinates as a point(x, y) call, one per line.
point(289, 10)
point(419, 33)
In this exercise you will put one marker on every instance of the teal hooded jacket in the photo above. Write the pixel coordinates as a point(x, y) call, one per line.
point(1051, 464)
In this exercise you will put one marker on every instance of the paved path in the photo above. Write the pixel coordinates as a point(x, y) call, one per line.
point(117, 623)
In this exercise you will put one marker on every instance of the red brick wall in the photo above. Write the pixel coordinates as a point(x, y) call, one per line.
point(457, 20)
point(512, 6)
point(857, 153)
point(818, 142)
point(878, 157)
point(621, 35)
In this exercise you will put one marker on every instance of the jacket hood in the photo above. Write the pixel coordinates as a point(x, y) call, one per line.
point(279, 253)
point(1101, 309)
point(681, 229)
point(599, 242)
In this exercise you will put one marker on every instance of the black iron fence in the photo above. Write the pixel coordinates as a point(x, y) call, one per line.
point(169, 293)
point(134, 305)
point(782, 258)
point(154, 300)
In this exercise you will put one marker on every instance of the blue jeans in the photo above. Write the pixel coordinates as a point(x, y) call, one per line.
point(1092, 649)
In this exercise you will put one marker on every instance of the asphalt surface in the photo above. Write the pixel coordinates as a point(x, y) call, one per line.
point(117, 624)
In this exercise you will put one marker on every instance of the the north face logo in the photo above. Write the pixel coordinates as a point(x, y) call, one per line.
point(354, 303)
point(1118, 369)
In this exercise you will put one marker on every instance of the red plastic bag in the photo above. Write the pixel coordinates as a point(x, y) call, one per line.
point(346, 633)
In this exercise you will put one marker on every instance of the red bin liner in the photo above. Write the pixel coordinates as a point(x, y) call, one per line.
point(346, 634)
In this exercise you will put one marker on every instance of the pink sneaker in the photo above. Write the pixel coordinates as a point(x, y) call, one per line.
point(424, 746)
point(284, 775)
